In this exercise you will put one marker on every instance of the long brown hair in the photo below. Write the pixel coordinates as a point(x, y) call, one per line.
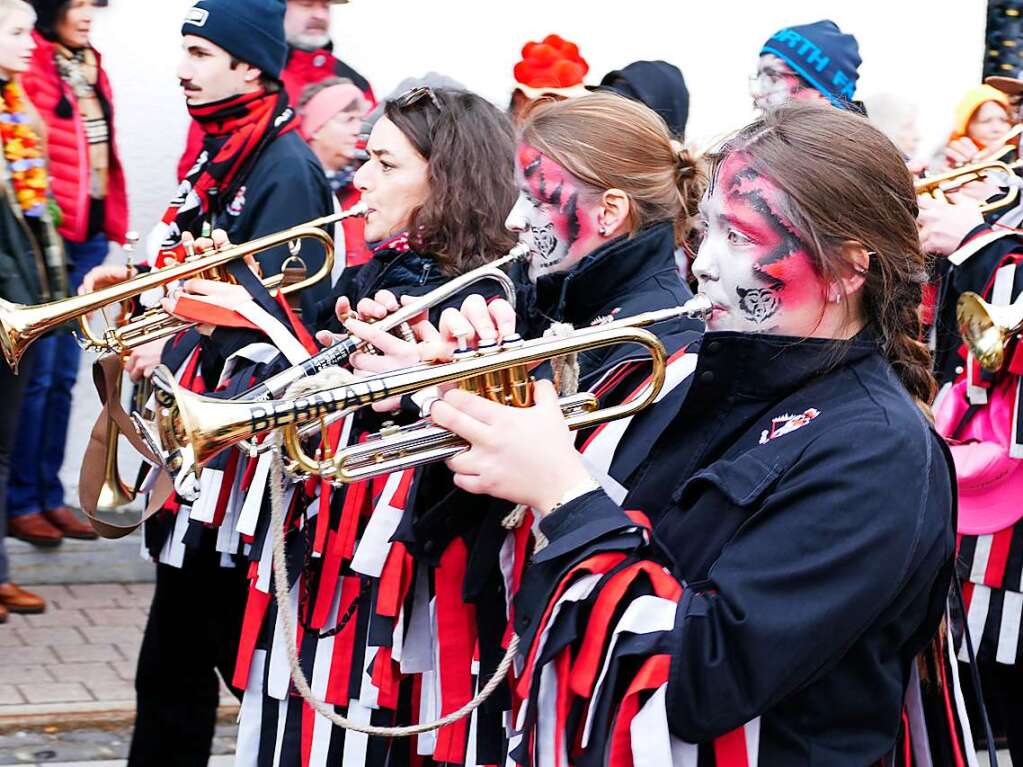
point(469, 147)
point(610, 142)
point(845, 181)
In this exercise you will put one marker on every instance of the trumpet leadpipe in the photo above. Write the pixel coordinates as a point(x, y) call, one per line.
point(418, 445)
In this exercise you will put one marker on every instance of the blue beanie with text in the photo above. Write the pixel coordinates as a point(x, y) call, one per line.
point(822, 55)
point(250, 30)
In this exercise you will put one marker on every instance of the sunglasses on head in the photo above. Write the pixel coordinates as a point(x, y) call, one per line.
point(414, 96)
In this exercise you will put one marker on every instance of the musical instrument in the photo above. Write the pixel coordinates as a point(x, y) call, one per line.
point(988, 328)
point(204, 426)
point(333, 356)
point(20, 325)
point(942, 184)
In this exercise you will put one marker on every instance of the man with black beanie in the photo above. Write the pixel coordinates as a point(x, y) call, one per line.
point(254, 176)
point(310, 59)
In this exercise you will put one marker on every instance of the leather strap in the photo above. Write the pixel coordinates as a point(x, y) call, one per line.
point(105, 374)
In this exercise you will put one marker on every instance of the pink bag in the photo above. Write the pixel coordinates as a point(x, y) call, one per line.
point(990, 478)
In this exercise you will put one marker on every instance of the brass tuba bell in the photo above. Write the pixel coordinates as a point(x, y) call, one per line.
point(987, 328)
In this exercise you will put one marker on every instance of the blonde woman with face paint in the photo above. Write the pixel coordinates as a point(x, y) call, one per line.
point(782, 552)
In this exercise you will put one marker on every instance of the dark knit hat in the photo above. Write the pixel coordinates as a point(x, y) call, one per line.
point(250, 30)
point(657, 84)
point(47, 14)
point(822, 55)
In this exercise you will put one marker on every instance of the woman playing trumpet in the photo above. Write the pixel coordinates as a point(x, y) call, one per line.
point(798, 496)
point(604, 195)
point(438, 184)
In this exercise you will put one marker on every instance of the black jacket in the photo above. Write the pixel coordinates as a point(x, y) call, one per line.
point(285, 188)
point(626, 276)
point(21, 263)
point(816, 560)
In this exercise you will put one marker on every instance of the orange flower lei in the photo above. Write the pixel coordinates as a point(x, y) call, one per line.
point(23, 152)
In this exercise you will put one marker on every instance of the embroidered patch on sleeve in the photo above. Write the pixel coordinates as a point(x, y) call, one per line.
point(786, 424)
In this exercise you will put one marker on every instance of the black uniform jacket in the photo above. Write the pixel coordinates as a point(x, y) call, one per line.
point(627, 276)
point(815, 551)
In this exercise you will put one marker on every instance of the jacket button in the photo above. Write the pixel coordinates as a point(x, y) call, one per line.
point(707, 377)
point(430, 546)
point(959, 370)
point(713, 347)
point(319, 61)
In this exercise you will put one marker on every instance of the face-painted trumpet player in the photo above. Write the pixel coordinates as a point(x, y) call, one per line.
point(798, 496)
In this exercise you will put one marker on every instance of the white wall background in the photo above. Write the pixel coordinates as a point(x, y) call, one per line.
point(928, 50)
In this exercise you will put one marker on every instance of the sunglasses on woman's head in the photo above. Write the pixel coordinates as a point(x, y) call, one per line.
point(411, 97)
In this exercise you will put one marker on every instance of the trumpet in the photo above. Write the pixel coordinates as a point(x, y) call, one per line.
point(942, 184)
point(169, 439)
point(197, 427)
point(987, 328)
point(20, 325)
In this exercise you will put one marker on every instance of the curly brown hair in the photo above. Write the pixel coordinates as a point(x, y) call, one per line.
point(469, 147)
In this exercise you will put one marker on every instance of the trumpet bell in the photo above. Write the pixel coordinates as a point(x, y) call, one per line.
point(987, 328)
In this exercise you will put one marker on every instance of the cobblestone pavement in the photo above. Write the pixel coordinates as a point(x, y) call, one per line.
point(83, 649)
point(74, 662)
point(92, 747)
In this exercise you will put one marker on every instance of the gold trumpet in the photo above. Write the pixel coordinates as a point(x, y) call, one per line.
point(21, 325)
point(942, 184)
point(173, 442)
point(200, 427)
point(988, 328)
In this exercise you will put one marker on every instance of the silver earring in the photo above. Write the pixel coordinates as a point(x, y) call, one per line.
point(603, 231)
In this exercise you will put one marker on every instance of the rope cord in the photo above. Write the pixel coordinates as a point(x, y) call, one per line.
point(280, 570)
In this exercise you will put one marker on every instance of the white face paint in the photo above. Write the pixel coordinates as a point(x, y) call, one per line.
point(535, 227)
point(551, 214)
point(752, 263)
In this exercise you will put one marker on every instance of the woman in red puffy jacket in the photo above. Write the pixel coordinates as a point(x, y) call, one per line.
point(68, 86)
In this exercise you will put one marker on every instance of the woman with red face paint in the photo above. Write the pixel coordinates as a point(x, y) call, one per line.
point(784, 549)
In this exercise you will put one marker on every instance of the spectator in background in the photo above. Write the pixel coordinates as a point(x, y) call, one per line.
point(31, 262)
point(332, 114)
point(897, 119)
point(550, 69)
point(982, 118)
point(657, 84)
point(68, 86)
point(815, 62)
point(310, 60)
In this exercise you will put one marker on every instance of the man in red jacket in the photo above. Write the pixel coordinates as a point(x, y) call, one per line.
point(311, 59)
point(69, 88)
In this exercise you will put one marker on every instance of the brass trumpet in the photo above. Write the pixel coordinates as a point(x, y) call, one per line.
point(21, 325)
point(169, 439)
point(988, 328)
point(200, 427)
point(940, 185)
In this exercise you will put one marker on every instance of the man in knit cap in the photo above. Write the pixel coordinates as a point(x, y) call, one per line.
point(808, 62)
point(310, 59)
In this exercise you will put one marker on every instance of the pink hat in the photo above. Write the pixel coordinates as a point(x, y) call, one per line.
point(326, 104)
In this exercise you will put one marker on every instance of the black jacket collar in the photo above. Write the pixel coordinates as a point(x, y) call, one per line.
point(766, 367)
point(588, 289)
